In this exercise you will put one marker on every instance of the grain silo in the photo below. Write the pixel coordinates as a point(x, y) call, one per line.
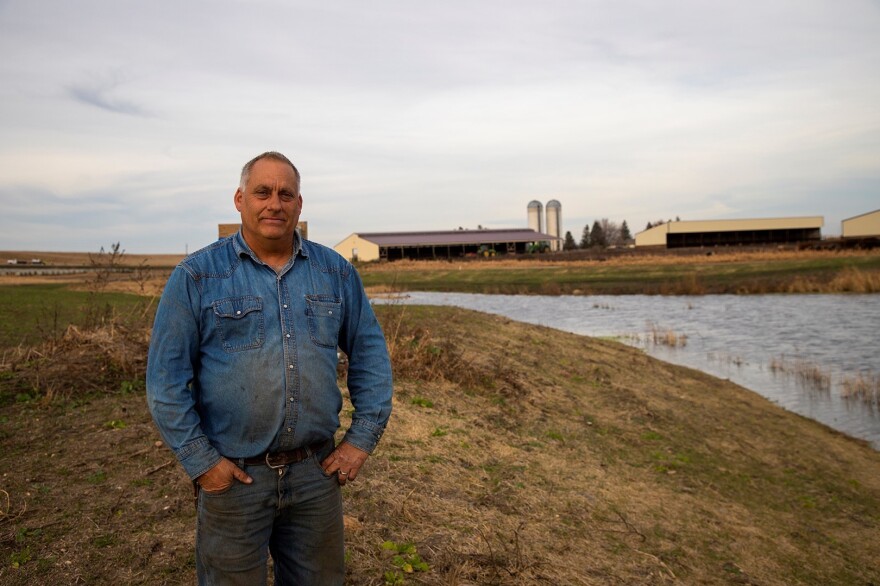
point(554, 223)
point(536, 216)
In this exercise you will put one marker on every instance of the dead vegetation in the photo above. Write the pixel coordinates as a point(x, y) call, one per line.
point(516, 455)
point(863, 387)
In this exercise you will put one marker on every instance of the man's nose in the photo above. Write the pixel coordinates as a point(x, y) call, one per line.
point(274, 201)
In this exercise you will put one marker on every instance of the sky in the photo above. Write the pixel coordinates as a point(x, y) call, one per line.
point(127, 121)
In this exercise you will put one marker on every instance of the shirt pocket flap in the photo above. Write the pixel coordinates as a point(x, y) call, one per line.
point(237, 307)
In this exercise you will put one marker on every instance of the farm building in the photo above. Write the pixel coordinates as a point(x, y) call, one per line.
point(862, 226)
point(732, 232)
point(438, 245)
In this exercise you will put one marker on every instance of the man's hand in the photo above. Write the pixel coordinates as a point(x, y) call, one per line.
point(222, 476)
point(345, 461)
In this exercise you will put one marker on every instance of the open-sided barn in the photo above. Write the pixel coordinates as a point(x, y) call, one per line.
point(681, 234)
point(438, 245)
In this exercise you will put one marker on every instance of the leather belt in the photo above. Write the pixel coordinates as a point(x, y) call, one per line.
point(279, 459)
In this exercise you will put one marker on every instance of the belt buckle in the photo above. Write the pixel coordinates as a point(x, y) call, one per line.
point(269, 464)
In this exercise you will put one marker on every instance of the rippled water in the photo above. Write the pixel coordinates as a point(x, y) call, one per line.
point(780, 346)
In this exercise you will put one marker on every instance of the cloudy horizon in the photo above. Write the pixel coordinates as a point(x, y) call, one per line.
point(129, 122)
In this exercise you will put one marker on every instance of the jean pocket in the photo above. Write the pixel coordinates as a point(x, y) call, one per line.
point(316, 461)
point(213, 493)
point(325, 317)
point(240, 322)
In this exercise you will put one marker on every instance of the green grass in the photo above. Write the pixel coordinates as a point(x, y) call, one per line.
point(753, 276)
point(30, 314)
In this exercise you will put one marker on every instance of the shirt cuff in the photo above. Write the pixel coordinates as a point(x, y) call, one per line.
point(197, 457)
point(364, 435)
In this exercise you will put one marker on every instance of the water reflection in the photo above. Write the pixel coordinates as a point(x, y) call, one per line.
point(796, 350)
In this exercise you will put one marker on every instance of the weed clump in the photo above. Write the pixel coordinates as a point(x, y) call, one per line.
point(863, 387)
point(81, 361)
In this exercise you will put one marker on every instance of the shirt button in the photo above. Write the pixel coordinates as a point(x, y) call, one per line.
point(288, 335)
point(329, 313)
point(238, 312)
point(284, 306)
point(290, 367)
point(291, 399)
point(289, 430)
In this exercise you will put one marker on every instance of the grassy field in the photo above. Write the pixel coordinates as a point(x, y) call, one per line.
point(722, 272)
point(516, 455)
point(32, 313)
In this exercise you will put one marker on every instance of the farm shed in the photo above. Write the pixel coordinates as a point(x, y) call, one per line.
point(682, 234)
point(437, 245)
point(862, 226)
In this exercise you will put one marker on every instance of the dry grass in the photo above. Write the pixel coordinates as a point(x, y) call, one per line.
point(864, 387)
point(849, 280)
point(666, 337)
point(808, 374)
point(80, 362)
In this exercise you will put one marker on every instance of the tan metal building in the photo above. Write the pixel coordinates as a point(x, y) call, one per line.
point(681, 234)
point(437, 245)
point(862, 226)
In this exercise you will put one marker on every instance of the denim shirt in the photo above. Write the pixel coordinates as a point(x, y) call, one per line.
point(243, 359)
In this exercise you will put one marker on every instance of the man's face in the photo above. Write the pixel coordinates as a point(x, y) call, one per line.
point(270, 205)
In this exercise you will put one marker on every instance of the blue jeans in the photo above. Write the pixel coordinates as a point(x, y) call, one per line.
point(294, 512)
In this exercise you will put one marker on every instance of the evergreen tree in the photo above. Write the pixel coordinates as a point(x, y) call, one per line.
point(585, 237)
point(597, 235)
point(625, 235)
point(569, 243)
point(649, 226)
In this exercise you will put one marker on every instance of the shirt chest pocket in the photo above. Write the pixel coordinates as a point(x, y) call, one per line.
point(240, 322)
point(324, 314)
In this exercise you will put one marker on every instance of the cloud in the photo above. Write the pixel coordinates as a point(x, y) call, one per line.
point(101, 91)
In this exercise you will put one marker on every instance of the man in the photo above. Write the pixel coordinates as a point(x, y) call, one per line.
point(241, 382)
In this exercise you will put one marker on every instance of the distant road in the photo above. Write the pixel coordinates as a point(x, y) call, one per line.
point(82, 259)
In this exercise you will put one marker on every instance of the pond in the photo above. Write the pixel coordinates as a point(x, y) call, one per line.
point(811, 354)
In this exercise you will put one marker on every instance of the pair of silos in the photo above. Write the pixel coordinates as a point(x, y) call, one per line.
point(554, 220)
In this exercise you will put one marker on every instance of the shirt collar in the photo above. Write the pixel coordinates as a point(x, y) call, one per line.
point(241, 247)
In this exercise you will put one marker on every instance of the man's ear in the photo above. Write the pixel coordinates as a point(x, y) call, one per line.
point(237, 199)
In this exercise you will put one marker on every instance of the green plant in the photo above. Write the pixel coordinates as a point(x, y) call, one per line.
point(97, 477)
point(439, 432)
point(422, 402)
point(104, 540)
point(20, 558)
point(406, 560)
point(132, 386)
point(555, 435)
point(115, 424)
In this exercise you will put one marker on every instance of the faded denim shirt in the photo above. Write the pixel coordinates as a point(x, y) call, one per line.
point(243, 359)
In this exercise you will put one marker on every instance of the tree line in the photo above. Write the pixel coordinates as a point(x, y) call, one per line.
point(602, 234)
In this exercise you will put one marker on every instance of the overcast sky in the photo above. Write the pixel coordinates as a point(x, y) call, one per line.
point(129, 121)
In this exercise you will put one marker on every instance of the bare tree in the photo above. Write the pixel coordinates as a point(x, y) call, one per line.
point(611, 231)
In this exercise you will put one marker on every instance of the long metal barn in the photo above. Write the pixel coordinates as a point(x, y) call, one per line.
point(682, 234)
point(439, 245)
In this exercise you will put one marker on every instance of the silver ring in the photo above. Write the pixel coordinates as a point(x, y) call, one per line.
point(341, 473)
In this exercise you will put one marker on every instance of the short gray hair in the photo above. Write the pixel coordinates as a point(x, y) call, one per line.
point(273, 155)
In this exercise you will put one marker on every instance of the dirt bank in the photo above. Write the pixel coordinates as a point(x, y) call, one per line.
point(516, 455)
